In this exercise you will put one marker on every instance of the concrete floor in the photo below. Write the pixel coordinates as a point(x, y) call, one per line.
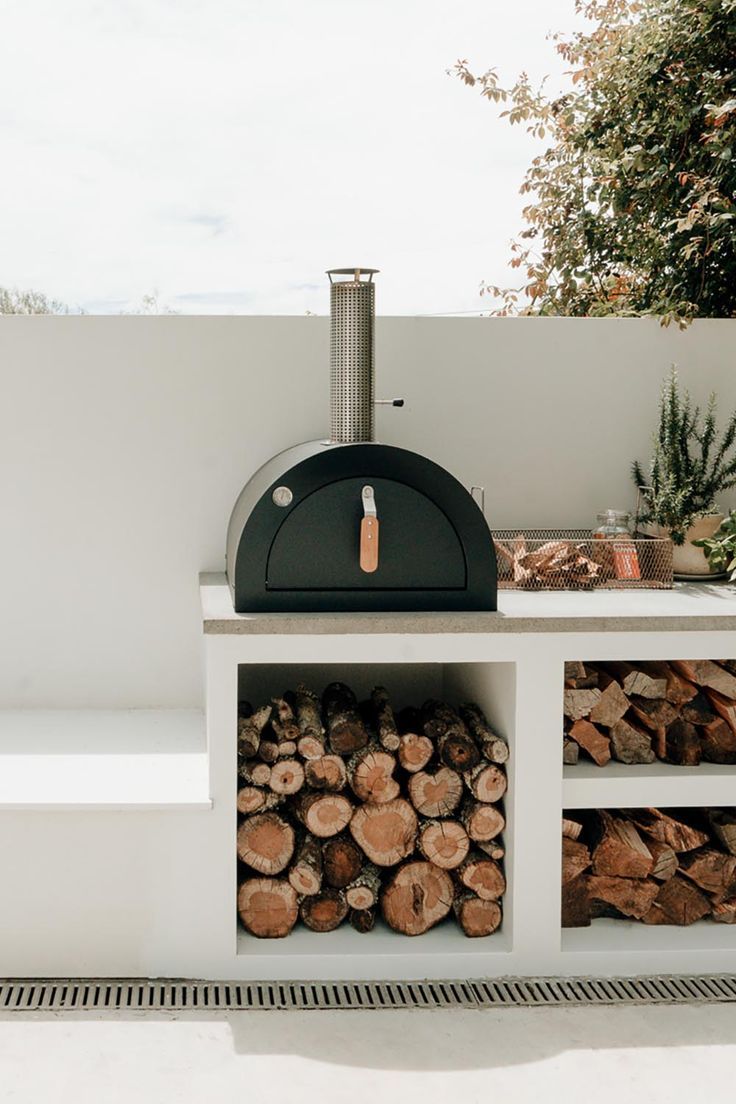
point(591, 1055)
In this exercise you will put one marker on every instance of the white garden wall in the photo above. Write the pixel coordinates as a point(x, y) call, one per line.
point(124, 442)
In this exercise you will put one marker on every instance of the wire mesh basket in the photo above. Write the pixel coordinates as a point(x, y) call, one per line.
point(572, 559)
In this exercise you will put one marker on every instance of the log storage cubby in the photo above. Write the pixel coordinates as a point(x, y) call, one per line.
point(349, 810)
point(306, 880)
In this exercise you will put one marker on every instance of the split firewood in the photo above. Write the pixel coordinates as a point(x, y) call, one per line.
point(678, 690)
point(249, 731)
point(370, 773)
point(385, 833)
point(416, 897)
point(633, 897)
point(266, 842)
point(384, 720)
point(724, 707)
point(665, 859)
point(574, 669)
point(311, 742)
point(283, 721)
point(704, 672)
point(575, 859)
point(677, 902)
point(683, 744)
point(256, 773)
point(324, 911)
point(475, 916)
point(493, 747)
point(631, 744)
point(621, 851)
point(342, 861)
point(699, 711)
point(268, 907)
point(287, 776)
point(362, 893)
point(345, 728)
point(482, 876)
point(724, 912)
point(363, 920)
point(610, 707)
point(570, 752)
point(718, 742)
point(571, 829)
point(576, 907)
point(305, 874)
point(415, 751)
point(656, 715)
point(723, 826)
point(579, 703)
point(444, 843)
point(326, 773)
point(455, 746)
point(580, 677)
point(712, 871)
point(436, 794)
point(325, 814)
point(592, 740)
point(268, 751)
point(250, 799)
point(481, 822)
point(486, 782)
point(637, 680)
point(675, 833)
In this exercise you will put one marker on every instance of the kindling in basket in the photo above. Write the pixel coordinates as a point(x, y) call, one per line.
point(572, 559)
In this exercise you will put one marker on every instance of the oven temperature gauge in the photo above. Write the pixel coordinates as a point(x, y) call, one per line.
point(282, 496)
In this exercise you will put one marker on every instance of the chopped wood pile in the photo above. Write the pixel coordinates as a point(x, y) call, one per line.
point(657, 867)
point(347, 811)
point(681, 712)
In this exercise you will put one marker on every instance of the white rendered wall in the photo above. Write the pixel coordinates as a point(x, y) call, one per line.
point(124, 443)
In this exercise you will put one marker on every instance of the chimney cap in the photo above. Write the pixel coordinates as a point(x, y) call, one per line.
point(356, 271)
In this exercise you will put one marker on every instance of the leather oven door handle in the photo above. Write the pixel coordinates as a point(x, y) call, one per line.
point(368, 532)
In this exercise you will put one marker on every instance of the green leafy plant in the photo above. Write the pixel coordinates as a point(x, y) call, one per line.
point(632, 198)
point(692, 462)
point(720, 549)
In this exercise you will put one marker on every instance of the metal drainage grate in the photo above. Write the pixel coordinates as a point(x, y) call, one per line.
point(140, 996)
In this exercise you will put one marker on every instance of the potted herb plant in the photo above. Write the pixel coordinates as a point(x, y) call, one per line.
point(720, 549)
point(692, 463)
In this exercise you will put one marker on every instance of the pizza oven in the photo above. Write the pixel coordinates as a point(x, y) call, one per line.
point(349, 523)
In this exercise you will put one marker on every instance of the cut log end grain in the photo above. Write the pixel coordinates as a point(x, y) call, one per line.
point(455, 746)
point(444, 843)
point(362, 893)
point(385, 833)
point(571, 828)
point(309, 747)
point(345, 728)
point(326, 773)
point(342, 861)
point(592, 740)
point(305, 874)
point(665, 859)
point(370, 773)
point(436, 794)
point(667, 829)
point(258, 774)
point(477, 917)
point(287, 776)
point(416, 898)
point(486, 782)
point(267, 907)
point(621, 852)
point(482, 876)
point(363, 920)
point(712, 871)
point(266, 843)
point(578, 704)
point(268, 751)
point(704, 672)
point(610, 707)
point(631, 744)
point(575, 859)
point(324, 815)
point(415, 751)
point(250, 799)
point(325, 911)
point(677, 902)
point(632, 897)
point(481, 822)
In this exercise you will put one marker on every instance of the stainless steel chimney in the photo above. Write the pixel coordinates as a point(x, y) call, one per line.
point(352, 362)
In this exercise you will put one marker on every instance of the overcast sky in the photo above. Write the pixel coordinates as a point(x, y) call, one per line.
point(226, 152)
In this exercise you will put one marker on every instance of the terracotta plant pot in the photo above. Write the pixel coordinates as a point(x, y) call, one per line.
point(686, 558)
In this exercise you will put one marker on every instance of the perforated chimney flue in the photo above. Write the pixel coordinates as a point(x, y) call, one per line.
point(352, 367)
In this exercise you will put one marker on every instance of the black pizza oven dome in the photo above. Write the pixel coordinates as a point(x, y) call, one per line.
point(351, 524)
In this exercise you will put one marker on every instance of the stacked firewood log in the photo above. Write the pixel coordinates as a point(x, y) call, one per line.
point(681, 712)
point(658, 867)
point(347, 810)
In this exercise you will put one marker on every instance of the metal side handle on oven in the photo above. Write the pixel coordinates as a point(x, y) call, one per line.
point(368, 532)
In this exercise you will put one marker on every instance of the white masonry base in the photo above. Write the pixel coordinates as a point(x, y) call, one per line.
point(117, 853)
